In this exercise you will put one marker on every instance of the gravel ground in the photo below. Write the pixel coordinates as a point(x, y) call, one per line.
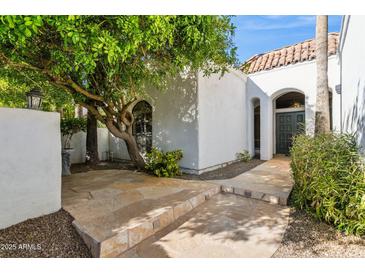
point(307, 237)
point(51, 235)
point(227, 172)
point(120, 164)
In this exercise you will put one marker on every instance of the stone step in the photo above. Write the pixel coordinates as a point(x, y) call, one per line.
point(270, 182)
point(267, 196)
point(112, 234)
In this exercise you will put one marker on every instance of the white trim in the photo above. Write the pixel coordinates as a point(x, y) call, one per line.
point(343, 33)
point(281, 110)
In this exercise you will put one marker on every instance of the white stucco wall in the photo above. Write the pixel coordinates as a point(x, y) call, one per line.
point(174, 124)
point(268, 85)
point(30, 164)
point(187, 116)
point(78, 143)
point(118, 148)
point(175, 119)
point(352, 56)
point(222, 118)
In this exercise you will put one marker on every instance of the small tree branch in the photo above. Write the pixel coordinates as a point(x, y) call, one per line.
point(94, 111)
point(81, 90)
point(55, 79)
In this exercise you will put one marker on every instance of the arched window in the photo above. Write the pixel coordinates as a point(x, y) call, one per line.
point(290, 100)
point(142, 126)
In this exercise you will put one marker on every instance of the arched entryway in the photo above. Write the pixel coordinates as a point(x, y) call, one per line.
point(289, 119)
point(142, 126)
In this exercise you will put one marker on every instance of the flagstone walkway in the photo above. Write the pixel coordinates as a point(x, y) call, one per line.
point(226, 226)
point(125, 213)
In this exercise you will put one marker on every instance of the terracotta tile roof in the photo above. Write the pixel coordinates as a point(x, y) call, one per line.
point(304, 51)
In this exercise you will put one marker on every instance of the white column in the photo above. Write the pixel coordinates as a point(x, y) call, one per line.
point(266, 129)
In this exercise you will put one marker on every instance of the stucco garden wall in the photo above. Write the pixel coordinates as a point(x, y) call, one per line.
point(352, 55)
point(78, 143)
point(30, 164)
point(268, 85)
point(222, 118)
point(118, 148)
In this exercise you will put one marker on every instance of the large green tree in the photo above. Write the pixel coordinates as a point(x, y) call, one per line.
point(106, 62)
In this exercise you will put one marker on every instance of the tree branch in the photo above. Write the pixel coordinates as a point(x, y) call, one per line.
point(94, 111)
point(79, 89)
point(55, 79)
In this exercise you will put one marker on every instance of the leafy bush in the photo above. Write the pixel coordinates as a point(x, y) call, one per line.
point(164, 164)
point(244, 156)
point(329, 180)
point(70, 126)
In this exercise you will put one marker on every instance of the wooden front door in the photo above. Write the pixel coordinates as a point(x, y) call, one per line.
point(288, 124)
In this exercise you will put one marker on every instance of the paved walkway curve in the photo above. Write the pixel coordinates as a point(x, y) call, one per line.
point(228, 225)
point(270, 182)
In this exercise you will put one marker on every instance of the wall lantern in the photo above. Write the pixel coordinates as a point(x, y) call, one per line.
point(34, 98)
point(296, 104)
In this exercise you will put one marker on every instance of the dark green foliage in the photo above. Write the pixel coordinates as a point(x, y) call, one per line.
point(70, 126)
point(114, 56)
point(14, 85)
point(244, 156)
point(329, 180)
point(164, 164)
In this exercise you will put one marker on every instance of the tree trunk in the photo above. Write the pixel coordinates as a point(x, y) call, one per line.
point(131, 143)
point(322, 115)
point(133, 152)
point(92, 156)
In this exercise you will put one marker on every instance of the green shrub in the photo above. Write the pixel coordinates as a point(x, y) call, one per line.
point(329, 180)
point(244, 156)
point(164, 164)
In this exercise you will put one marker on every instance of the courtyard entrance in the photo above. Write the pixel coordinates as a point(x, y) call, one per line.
point(288, 124)
point(289, 120)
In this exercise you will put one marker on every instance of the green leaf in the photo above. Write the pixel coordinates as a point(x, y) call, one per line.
point(27, 32)
point(10, 21)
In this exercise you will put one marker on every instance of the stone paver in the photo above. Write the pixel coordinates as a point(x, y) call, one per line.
point(270, 182)
point(226, 226)
point(116, 209)
point(126, 213)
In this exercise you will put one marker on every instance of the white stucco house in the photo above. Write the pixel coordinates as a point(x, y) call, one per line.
point(258, 108)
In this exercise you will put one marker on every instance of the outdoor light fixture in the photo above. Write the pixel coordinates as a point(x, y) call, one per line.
point(34, 98)
point(296, 104)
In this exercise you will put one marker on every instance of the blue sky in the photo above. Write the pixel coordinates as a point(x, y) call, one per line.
point(259, 34)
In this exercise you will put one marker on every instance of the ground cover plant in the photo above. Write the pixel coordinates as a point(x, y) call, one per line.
point(164, 164)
